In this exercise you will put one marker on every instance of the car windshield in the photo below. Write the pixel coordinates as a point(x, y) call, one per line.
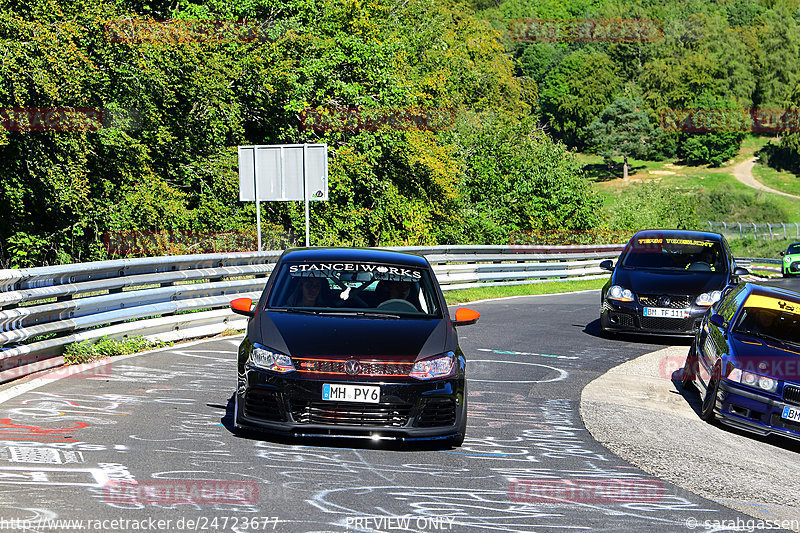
point(673, 253)
point(770, 319)
point(793, 249)
point(374, 289)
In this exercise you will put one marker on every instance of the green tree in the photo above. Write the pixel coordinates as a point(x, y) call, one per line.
point(575, 93)
point(724, 134)
point(622, 129)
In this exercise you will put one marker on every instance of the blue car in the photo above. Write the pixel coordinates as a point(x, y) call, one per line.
point(745, 361)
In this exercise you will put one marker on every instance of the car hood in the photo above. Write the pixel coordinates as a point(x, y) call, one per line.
point(669, 281)
point(304, 335)
point(765, 357)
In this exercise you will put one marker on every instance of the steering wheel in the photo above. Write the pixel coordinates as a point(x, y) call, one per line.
point(396, 304)
point(700, 265)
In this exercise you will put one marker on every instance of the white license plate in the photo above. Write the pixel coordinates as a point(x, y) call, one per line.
point(351, 393)
point(663, 312)
point(791, 413)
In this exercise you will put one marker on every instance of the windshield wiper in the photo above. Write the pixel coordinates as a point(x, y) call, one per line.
point(294, 310)
point(359, 313)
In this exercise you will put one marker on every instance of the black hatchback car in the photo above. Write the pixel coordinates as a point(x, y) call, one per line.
point(355, 343)
point(665, 281)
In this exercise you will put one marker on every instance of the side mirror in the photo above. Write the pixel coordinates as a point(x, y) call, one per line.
point(465, 317)
point(740, 271)
point(243, 306)
point(608, 264)
point(717, 320)
point(782, 253)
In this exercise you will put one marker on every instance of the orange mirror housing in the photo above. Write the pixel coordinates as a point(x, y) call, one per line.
point(465, 317)
point(242, 306)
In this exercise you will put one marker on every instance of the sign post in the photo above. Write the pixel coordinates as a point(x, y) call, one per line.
point(283, 172)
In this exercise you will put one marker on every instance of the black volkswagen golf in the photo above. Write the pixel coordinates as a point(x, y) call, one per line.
point(665, 281)
point(355, 343)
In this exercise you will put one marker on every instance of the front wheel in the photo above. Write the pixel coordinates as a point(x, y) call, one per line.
point(710, 400)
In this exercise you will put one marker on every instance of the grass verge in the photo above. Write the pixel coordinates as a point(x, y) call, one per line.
point(459, 296)
point(87, 351)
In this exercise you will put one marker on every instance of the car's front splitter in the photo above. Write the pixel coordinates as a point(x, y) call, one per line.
point(619, 319)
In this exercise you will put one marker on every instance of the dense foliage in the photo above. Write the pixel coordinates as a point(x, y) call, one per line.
point(177, 97)
point(163, 161)
point(705, 54)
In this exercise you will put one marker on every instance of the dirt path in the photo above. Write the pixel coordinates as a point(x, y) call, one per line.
point(744, 172)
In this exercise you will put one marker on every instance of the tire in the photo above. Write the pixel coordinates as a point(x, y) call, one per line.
point(710, 400)
point(689, 374)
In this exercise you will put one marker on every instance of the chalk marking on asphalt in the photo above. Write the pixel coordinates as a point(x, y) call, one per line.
point(511, 352)
point(35, 383)
point(562, 374)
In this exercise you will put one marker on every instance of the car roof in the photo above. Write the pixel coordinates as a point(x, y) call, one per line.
point(314, 255)
point(774, 292)
point(678, 233)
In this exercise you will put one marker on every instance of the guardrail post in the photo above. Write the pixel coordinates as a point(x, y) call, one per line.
point(784, 229)
point(770, 230)
point(740, 229)
point(710, 226)
point(755, 231)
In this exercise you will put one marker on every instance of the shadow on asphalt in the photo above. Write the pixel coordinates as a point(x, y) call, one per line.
point(327, 442)
point(593, 328)
point(694, 401)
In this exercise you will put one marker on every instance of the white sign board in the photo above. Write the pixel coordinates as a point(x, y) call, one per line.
point(280, 170)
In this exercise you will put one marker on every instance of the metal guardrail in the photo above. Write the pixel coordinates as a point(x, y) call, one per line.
point(763, 230)
point(171, 298)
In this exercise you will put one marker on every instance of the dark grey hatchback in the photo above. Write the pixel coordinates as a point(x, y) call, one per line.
point(665, 281)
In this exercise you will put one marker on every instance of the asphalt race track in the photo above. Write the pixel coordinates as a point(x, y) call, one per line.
point(70, 447)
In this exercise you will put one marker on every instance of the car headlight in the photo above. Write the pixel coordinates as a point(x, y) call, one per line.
point(787, 260)
point(753, 380)
point(266, 359)
point(618, 293)
point(707, 299)
point(435, 367)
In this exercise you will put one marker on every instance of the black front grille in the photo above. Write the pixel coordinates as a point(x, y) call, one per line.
point(667, 324)
point(791, 393)
point(675, 302)
point(794, 267)
point(264, 405)
point(437, 412)
point(351, 414)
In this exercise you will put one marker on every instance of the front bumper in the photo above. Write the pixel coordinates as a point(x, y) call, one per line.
point(756, 413)
point(628, 317)
point(791, 268)
point(408, 410)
